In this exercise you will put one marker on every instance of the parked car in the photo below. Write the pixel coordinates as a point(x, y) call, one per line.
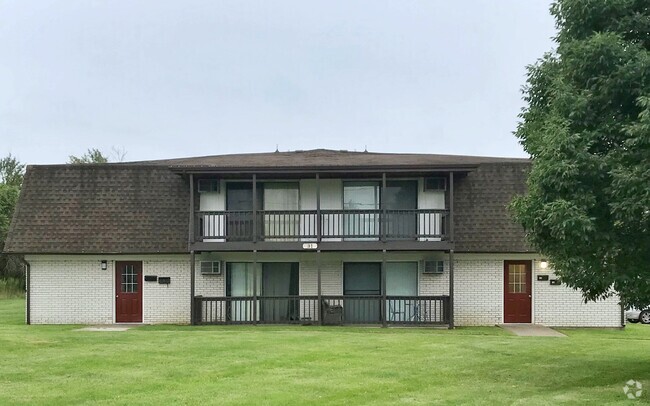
point(635, 316)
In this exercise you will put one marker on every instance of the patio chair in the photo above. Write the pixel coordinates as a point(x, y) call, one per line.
point(332, 314)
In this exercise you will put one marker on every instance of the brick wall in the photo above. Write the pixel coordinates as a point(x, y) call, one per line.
point(167, 303)
point(74, 289)
point(331, 278)
point(478, 292)
point(561, 306)
point(71, 292)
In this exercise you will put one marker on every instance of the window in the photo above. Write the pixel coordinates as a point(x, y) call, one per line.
point(129, 280)
point(517, 278)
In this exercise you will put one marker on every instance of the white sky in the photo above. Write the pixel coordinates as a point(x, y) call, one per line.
point(166, 79)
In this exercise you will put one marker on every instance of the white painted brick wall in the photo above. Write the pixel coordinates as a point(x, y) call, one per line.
point(478, 292)
point(71, 292)
point(77, 291)
point(434, 284)
point(331, 278)
point(561, 306)
point(167, 303)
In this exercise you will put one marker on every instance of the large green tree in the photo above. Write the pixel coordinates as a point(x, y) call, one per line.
point(587, 129)
point(11, 179)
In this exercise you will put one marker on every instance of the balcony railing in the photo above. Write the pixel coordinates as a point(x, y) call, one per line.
point(333, 310)
point(327, 225)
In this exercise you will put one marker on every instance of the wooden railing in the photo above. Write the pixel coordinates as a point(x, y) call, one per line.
point(332, 310)
point(331, 225)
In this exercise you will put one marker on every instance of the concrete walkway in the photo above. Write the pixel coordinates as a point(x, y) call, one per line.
point(531, 330)
point(110, 327)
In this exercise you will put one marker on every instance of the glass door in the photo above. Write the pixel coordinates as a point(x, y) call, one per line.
point(239, 204)
point(361, 207)
point(363, 280)
point(239, 287)
point(401, 291)
point(400, 201)
point(279, 292)
point(281, 216)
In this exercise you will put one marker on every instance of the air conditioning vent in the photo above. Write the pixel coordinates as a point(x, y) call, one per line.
point(433, 266)
point(435, 184)
point(209, 185)
point(211, 267)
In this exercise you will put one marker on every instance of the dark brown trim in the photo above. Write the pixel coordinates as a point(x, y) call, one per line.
point(192, 209)
point(314, 170)
point(193, 287)
point(451, 289)
point(325, 246)
point(383, 314)
point(254, 208)
point(451, 207)
point(318, 214)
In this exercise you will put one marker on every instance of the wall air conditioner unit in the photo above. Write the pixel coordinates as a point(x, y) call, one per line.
point(435, 184)
point(432, 266)
point(211, 267)
point(209, 185)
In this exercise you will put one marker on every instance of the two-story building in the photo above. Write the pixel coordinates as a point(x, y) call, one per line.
point(308, 237)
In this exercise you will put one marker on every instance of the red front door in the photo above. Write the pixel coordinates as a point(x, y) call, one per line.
point(517, 292)
point(128, 292)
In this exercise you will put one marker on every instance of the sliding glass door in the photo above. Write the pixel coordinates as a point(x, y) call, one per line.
point(363, 280)
point(239, 284)
point(239, 204)
point(401, 286)
point(276, 283)
point(279, 282)
point(400, 201)
point(280, 197)
point(359, 196)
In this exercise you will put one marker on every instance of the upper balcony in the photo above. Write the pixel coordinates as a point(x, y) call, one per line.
point(397, 213)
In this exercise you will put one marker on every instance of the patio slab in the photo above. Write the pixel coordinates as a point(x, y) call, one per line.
point(531, 330)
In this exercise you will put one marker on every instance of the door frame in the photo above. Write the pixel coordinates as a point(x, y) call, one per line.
point(529, 263)
point(117, 288)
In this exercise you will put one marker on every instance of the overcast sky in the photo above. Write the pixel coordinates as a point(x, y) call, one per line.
point(168, 79)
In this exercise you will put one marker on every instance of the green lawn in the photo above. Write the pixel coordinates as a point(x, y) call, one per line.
point(299, 365)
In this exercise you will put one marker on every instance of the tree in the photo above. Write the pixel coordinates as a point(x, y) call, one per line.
point(92, 156)
point(11, 171)
point(587, 129)
point(11, 179)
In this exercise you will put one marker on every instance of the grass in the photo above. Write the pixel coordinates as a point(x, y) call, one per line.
point(11, 288)
point(299, 365)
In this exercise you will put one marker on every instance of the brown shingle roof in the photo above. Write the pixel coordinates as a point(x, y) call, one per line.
point(100, 209)
point(481, 218)
point(143, 207)
point(324, 158)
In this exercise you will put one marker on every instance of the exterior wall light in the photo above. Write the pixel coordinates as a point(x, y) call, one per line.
point(543, 264)
point(104, 265)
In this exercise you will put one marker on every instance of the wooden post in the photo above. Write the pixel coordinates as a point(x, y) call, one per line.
point(319, 231)
point(384, 321)
point(451, 289)
point(451, 207)
point(319, 306)
point(192, 287)
point(383, 223)
point(191, 236)
point(254, 207)
point(254, 285)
